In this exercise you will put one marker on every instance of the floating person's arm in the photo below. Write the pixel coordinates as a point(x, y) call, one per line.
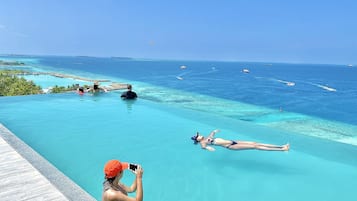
point(211, 135)
point(210, 148)
point(204, 146)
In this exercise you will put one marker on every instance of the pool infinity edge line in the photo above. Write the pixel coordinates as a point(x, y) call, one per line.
point(64, 184)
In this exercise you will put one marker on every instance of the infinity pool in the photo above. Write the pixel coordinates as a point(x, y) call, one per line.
point(78, 134)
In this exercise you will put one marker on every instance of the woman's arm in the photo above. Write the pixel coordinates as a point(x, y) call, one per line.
point(204, 146)
point(210, 148)
point(211, 135)
point(139, 181)
point(139, 190)
point(132, 188)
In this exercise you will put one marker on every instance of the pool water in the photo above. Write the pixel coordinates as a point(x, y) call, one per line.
point(78, 134)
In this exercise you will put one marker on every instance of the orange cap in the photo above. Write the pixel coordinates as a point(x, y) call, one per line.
point(113, 167)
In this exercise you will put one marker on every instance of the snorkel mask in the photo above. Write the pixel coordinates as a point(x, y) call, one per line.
point(194, 138)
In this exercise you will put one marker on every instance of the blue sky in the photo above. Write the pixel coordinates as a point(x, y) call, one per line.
point(303, 31)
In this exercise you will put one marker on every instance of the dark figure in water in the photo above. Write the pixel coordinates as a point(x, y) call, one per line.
point(129, 94)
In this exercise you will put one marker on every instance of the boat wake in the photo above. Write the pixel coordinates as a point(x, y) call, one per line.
point(288, 83)
point(191, 74)
point(325, 87)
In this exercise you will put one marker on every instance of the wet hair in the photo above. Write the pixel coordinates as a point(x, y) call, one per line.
point(110, 180)
point(194, 138)
point(129, 86)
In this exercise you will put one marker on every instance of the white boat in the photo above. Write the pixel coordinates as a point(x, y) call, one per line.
point(290, 83)
point(245, 70)
point(183, 67)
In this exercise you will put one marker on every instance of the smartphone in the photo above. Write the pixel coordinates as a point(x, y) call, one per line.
point(133, 167)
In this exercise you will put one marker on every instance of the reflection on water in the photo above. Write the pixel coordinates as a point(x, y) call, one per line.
point(129, 104)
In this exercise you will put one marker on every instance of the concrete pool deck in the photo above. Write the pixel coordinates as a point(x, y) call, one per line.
point(26, 175)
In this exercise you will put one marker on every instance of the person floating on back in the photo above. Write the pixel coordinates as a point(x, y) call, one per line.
point(234, 144)
point(129, 94)
point(113, 189)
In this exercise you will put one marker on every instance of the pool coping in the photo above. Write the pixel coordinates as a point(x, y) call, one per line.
point(60, 181)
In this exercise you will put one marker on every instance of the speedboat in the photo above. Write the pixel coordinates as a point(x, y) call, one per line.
point(290, 83)
point(245, 70)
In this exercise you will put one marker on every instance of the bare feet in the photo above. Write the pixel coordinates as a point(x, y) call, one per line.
point(286, 147)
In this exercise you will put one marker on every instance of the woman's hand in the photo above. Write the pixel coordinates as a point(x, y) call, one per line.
point(139, 172)
point(210, 148)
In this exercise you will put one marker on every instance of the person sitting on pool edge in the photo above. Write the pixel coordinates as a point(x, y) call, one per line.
point(234, 144)
point(113, 189)
point(129, 94)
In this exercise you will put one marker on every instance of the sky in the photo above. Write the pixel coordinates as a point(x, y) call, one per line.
point(300, 31)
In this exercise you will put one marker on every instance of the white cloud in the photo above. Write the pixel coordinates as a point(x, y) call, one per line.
point(2, 26)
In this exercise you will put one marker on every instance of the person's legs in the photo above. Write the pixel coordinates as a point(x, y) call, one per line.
point(267, 148)
point(241, 146)
point(260, 144)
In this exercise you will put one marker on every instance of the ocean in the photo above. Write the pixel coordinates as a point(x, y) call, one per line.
point(265, 85)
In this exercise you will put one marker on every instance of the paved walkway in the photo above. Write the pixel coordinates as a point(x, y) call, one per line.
point(25, 175)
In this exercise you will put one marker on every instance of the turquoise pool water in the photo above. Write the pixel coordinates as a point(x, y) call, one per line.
point(78, 134)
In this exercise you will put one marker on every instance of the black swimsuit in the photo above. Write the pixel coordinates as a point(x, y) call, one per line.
point(232, 143)
point(211, 141)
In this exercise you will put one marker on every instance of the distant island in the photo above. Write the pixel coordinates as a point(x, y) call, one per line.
point(11, 63)
point(122, 58)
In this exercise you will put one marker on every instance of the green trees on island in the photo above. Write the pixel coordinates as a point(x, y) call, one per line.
point(61, 89)
point(12, 85)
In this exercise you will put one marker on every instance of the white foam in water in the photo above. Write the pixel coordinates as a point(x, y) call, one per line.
point(288, 83)
point(327, 88)
point(193, 75)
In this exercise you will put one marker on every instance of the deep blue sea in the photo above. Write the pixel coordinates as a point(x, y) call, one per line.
point(264, 85)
